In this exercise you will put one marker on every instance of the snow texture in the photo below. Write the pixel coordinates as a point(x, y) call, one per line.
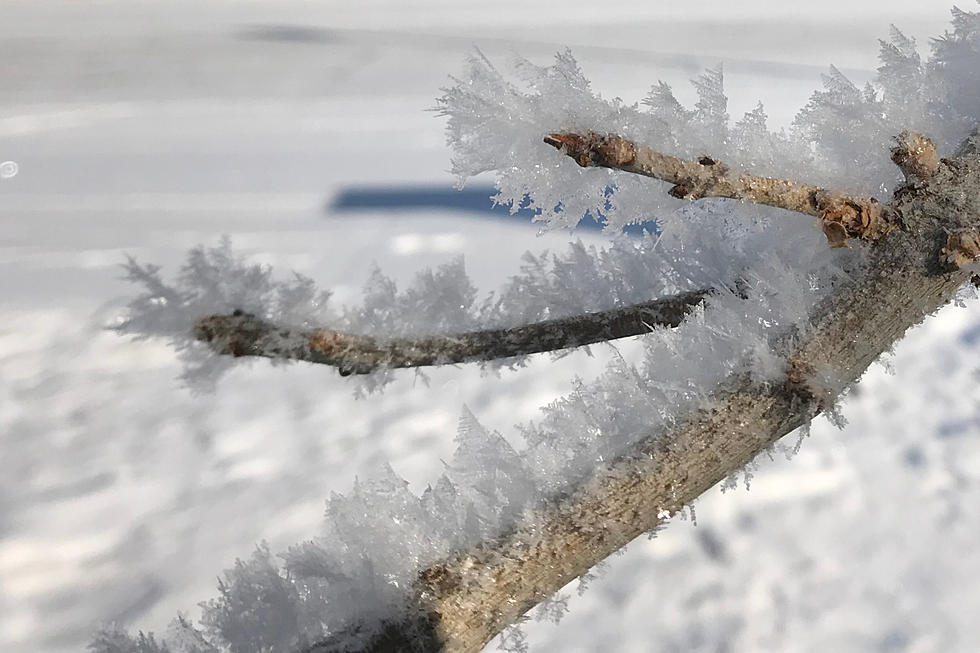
point(766, 269)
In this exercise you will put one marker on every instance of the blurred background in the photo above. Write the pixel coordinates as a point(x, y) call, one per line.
point(304, 131)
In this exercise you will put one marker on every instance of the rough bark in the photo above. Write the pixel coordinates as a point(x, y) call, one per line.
point(242, 334)
point(466, 599)
point(842, 216)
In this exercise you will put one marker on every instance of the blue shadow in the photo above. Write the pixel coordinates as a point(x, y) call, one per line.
point(473, 201)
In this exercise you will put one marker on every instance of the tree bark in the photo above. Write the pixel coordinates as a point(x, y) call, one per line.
point(242, 334)
point(842, 216)
point(466, 599)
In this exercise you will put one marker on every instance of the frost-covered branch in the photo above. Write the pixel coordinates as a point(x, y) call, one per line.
point(841, 215)
point(243, 334)
point(511, 520)
point(472, 595)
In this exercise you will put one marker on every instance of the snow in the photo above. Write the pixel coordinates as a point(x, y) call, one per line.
point(123, 495)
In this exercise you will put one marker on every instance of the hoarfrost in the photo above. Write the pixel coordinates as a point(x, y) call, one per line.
point(513, 640)
point(765, 269)
point(552, 609)
point(215, 280)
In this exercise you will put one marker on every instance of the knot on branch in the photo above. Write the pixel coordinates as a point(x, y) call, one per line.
point(844, 217)
point(962, 248)
point(916, 156)
point(591, 149)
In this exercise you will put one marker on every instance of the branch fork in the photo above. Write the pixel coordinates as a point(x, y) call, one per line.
point(470, 596)
point(921, 246)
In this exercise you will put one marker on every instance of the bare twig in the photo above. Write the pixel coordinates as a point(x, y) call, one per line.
point(242, 334)
point(842, 216)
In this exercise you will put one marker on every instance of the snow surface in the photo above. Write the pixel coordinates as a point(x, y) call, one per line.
point(147, 129)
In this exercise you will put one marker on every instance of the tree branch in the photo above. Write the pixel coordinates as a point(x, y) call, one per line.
point(242, 334)
point(466, 599)
point(841, 216)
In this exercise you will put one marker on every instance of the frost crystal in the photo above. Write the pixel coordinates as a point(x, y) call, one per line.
point(765, 270)
point(552, 609)
point(215, 280)
point(513, 640)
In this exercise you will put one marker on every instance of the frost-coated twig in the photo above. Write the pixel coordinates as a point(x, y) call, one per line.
point(470, 596)
point(242, 334)
point(841, 215)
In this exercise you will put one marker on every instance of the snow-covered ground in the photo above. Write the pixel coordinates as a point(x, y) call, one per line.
point(146, 128)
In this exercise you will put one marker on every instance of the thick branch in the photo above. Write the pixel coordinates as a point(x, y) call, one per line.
point(242, 334)
point(842, 216)
point(469, 597)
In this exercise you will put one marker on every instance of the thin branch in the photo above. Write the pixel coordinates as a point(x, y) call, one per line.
point(242, 334)
point(841, 215)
